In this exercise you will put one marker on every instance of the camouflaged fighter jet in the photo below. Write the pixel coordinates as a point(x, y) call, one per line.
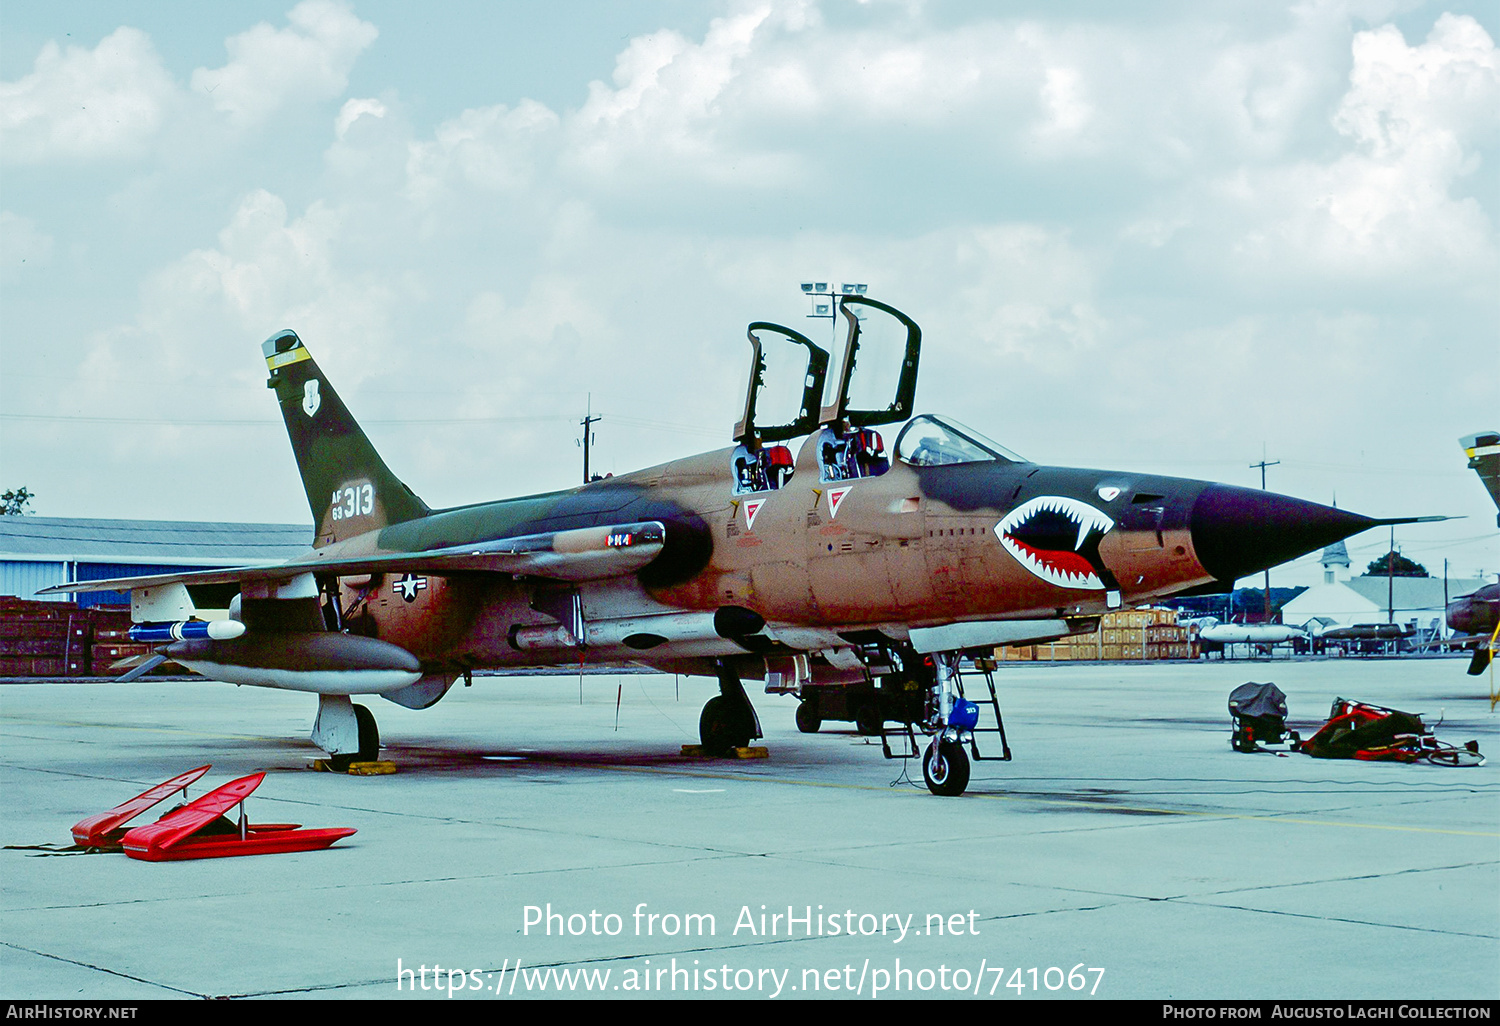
point(1475, 618)
point(837, 570)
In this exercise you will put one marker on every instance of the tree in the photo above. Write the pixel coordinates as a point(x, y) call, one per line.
point(13, 503)
point(1393, 564)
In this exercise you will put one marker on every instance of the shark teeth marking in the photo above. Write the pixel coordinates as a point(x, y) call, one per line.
point(1063, 567)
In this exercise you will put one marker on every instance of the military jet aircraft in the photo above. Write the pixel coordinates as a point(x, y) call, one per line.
point(1476, 617)
point(831, 564)
point(1483, 450)
point(1475, 620)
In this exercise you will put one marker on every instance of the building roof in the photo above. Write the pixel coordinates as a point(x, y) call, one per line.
point(1363, 600)
point(1335, 555)
point(149, 541)
point(1411, 593)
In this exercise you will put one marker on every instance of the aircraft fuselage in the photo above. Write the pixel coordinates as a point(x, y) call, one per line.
point(913, 546)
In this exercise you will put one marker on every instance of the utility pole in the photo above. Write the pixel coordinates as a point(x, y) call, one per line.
point(1263, 465)
point(1390, 580)
point(587, 423)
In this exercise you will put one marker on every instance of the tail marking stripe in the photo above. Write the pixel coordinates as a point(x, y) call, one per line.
point(297, 355)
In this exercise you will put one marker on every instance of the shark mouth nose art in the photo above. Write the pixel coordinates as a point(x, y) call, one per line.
point(1057, 539)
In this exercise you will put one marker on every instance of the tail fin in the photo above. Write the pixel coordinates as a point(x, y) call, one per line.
point(348, 485)
point(1483, 450)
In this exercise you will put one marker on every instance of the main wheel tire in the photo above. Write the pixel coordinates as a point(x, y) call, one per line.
point(868, 721)
point(809, 720)
point(721, 727)
point(369, 735)
point(369, 743)
point(945, 767)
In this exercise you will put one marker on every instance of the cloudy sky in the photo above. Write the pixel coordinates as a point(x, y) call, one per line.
point(1172, 237)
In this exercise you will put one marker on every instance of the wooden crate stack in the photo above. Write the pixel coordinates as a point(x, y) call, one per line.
point(1127, 634)
point(59, 639)
point(1170, 641)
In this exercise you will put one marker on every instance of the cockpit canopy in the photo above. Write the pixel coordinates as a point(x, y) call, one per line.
point(932, 441)
point(841, 415)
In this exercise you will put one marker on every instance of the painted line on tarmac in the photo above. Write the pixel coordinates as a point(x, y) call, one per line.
point(1066, 803)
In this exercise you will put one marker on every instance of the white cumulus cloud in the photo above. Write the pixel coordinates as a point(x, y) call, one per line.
point(1416, 117)
point(82, 104)
point(270, 67)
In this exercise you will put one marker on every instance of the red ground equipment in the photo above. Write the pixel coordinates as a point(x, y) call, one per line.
point(107, 829)
point(1358, 730)
point(199, 829)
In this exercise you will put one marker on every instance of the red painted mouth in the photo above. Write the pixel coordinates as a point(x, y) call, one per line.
point(1063, 564)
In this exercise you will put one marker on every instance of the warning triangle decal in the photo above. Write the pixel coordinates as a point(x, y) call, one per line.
point(836, 496)
point(752, 507)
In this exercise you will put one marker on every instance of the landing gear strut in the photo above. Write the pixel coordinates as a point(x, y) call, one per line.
point(728, 720)
point(369, 742)
point(347, 732)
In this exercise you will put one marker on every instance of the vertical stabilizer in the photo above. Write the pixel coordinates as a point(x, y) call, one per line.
point(348, 485)
point(1483, 450)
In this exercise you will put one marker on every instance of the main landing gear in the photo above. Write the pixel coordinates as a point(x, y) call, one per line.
point(728, 720)
point(347, 732)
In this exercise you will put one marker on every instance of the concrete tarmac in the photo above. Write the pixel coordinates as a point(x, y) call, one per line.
point(1126, 852)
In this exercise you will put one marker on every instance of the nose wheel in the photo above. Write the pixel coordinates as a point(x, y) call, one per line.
point(945, 768)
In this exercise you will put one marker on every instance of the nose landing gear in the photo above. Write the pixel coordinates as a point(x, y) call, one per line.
point(945, 768)
point(951, 721)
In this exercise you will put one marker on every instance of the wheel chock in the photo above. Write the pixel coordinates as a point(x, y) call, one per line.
point(750, 752)
point(377, 768)
point(356, 769)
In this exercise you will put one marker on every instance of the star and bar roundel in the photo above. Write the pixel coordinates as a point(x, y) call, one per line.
point(408, 586)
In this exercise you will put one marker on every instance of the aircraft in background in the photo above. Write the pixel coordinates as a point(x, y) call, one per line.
point(1250, 634)
point(1476, 619)
point(1476, 616)
point(817, 567)
point(1483, 450)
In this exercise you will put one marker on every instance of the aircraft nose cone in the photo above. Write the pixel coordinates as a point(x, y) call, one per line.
point(1238, 531)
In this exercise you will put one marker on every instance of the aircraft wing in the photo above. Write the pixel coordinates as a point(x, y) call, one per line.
point(584, 554)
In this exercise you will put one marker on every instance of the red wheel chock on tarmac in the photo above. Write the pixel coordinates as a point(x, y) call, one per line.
point(197, 829)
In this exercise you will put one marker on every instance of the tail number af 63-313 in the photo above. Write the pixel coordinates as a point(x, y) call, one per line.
point(354, 501)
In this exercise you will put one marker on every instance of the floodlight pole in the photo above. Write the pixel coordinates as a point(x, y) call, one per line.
point(835, 294)
point(1390, 580)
